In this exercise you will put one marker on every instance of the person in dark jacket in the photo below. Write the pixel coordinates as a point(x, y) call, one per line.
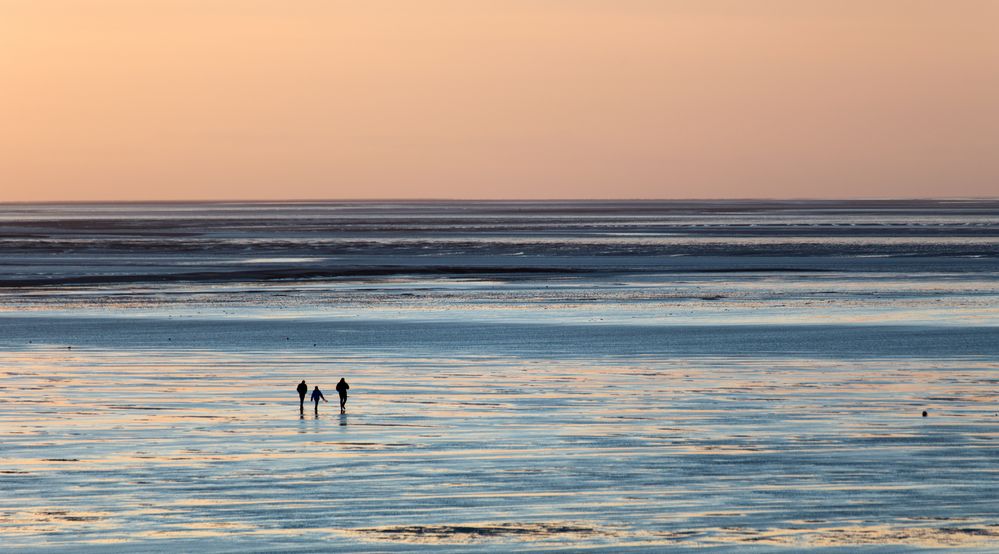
point(303, 389)
point(341, 388)
point(316, 396)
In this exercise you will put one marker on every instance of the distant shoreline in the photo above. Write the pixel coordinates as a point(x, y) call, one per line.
point(625, 201)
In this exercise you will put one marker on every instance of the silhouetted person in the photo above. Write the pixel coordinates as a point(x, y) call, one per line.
point(341, 388)
point(303, 389)
point(316, 395)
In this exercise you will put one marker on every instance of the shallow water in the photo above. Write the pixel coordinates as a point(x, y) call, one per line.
point(733, 401)
point(159, 447)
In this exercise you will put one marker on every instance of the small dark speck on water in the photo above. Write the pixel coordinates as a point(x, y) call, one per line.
point(924, 413)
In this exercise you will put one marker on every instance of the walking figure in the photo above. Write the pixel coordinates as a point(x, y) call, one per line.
point(341, 388)
point(316, 395)
point(303, 389)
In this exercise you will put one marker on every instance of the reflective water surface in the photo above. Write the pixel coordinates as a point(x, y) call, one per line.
point(732, 377)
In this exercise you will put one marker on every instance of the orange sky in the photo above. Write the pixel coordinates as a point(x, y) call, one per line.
point(255, 99)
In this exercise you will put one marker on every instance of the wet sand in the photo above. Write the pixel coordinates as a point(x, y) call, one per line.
point(745, 377)
point(195, 445)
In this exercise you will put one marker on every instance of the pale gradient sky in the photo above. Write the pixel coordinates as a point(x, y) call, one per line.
point(291, 99)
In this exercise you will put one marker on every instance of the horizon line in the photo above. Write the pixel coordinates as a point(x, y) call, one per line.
point(506, 200)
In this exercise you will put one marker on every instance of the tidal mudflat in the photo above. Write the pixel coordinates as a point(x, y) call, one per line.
point(524, 377)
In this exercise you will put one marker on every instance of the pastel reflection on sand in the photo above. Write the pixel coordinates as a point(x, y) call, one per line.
point(151, 450)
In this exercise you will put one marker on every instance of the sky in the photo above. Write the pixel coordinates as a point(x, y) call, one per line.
point(505, 99)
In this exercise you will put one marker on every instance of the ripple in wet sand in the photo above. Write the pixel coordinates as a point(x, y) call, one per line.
point(474, 532)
